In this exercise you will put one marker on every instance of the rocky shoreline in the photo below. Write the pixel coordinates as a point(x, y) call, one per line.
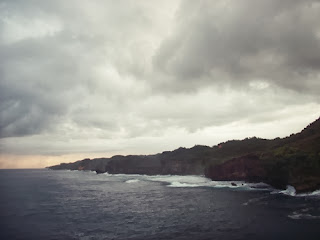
point(293, 160)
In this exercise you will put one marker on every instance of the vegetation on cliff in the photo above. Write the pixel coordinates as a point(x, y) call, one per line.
point(294, 160)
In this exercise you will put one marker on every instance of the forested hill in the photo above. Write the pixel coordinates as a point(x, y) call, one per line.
point(293, 160)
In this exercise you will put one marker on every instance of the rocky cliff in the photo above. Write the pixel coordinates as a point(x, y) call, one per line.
point(181, 161)
point(294, 161)
point(244, 168)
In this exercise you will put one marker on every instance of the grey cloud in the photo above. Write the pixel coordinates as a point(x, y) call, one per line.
point(49, 76)
point(277, 41)
point(35, 87)
point(113, 72)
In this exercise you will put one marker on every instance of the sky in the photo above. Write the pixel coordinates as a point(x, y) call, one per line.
point(90, 78)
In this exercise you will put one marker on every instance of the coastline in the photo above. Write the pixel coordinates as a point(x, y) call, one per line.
point(281, 162)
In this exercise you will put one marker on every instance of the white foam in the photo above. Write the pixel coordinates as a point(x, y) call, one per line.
point(179, 184)
point(302, 214)
point(177, 178)
point(241, 185)
point(201, 181)
point(291, 191)
point(311, 194)
point(253, 200)
point(189, 181)
point(132, 181)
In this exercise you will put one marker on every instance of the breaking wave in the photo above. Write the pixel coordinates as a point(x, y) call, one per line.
point(178, 181)
point(179, 184)
point(305, 213)
point(311, 194)
point(200, 181)
point(132, 181)
point(291, 191)
point(192, 181)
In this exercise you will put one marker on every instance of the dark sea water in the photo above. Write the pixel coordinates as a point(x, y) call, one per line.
point(45, 204)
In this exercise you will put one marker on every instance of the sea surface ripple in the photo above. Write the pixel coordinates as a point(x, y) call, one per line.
point(44, 204)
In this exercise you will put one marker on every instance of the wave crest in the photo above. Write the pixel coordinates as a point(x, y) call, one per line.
point(132, 181)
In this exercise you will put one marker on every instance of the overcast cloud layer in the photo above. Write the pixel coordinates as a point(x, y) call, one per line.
point(145, 76)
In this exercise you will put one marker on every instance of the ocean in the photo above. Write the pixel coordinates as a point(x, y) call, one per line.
point(45, 204)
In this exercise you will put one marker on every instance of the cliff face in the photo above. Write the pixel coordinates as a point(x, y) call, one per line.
point(85, 164)
point(181, 161)
point(294, 160)
point(245, 168)
point(303, 175)
point(133, 165)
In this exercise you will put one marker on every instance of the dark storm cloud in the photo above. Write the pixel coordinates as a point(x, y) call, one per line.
point(49, 52)
point(35, 86)
point(242, 41)
point(120, 73)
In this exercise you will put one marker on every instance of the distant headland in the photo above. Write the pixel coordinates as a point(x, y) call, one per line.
point(294, 160)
